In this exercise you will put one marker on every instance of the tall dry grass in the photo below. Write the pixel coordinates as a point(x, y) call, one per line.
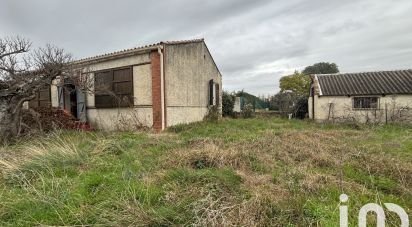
point(52, 148)
point(267, 180)
point(305, 163)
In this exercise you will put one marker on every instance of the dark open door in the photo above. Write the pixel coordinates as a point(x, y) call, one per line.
point(81, 105)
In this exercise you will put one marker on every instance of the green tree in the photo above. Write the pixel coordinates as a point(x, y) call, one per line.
point(321, 68)
point(298, 83)
point(283, 102)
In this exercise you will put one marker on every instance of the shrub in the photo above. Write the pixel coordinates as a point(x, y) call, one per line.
point(46, 120)
point(247, 111)
point(228, 102)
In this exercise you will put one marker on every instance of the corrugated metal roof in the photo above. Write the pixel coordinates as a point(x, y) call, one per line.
point(133, 50)
point(366, 83)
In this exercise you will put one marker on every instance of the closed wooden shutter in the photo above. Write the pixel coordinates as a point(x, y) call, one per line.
point(217, 95)
point(123, 87)
point(114, 88)
point(103, 88)
point(211, 92)
point(81, 105)
point(42, 99)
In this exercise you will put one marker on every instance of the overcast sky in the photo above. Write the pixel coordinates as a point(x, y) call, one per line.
point(254, 42)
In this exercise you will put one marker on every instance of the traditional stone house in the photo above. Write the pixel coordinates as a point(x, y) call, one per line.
point(157, 86)
point(375, 97)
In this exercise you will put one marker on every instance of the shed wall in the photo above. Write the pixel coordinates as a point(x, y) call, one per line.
point(188, 70)
point(339, 108)
point(124, 118)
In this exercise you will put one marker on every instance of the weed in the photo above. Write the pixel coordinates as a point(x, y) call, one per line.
point(240, 172)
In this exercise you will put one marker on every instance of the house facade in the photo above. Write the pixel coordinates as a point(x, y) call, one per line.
point(157, 86)
point(369, 97)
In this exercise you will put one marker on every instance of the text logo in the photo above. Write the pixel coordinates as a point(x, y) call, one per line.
point(372, 207)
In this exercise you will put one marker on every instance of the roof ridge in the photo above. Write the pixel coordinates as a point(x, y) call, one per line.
point(362, 72)
point(184, 41)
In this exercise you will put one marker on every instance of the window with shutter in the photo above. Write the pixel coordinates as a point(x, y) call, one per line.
point(114, 88)
point(214, 93)
point(42, 99)
point(217, 94)
point(211, 84)
point(123, 87)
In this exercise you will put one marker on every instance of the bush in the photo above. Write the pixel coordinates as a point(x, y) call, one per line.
point(228, 102)
point(247, 111)
point(46, 120)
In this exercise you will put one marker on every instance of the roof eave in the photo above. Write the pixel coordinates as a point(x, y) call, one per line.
point(104, 58)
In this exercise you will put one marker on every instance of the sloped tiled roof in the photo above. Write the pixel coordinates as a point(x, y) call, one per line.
point(366, 83)
point(133, 50)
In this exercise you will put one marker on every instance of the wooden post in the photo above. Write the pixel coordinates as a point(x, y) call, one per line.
point(330, 109)
point(386, 113)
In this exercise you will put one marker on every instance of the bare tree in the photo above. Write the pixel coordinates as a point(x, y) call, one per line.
point(23, 73)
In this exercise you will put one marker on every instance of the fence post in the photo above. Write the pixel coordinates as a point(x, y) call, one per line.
point(386, 113)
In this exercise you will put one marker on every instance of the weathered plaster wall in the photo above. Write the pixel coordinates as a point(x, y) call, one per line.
point(341, 108)
point(120, 118)
point(310, 108)
point(188, 69)
point(54, 94)
point(124, 118)
point(142, 85)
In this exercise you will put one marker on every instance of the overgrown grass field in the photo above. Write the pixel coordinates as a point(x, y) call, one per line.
point(248, 172)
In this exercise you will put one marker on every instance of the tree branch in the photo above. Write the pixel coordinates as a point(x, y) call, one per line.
point(20, 51)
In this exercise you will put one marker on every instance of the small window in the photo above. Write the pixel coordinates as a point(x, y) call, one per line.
point(365, 102)
point(114, 88)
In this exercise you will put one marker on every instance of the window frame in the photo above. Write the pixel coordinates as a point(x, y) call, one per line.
point(113, 101)
point(366, 108)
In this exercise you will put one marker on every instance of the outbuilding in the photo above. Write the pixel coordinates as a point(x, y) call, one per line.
point(158, 86)
point(367, 97)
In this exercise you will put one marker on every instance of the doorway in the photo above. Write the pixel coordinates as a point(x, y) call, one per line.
point(73, 101)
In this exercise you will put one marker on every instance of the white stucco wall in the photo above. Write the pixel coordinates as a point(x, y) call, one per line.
point(341, 109)
point(124, 118)
point(188, 69)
